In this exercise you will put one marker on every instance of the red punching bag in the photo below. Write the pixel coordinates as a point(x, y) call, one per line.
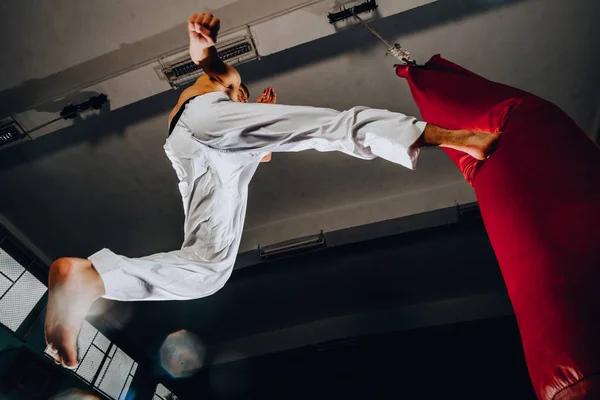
point(539, 195)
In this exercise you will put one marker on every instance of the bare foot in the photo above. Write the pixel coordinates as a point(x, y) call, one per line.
point(74, 285)
point(477, 145)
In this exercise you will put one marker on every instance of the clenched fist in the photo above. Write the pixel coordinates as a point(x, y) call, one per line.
point(203, 30)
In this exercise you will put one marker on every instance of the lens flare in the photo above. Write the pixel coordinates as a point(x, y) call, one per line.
point(75, 394)
point(182, 354)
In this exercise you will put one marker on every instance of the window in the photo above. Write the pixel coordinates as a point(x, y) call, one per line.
point(102, 364)
point(162, 393)
point(117, 374)
point(20, 291)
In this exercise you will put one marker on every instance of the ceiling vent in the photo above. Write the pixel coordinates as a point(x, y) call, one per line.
point(293, 247)
point(178, 69)
point(10, 132)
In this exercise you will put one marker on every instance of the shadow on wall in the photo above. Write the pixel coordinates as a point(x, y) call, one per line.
point(358, 39)
point(89, 130)
point(233, 14)
point(35, 91)
point(351, 40)
point(57, 105)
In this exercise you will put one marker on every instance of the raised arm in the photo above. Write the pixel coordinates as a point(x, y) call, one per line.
point(203, 30)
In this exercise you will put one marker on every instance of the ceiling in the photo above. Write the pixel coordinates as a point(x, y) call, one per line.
point(45, 38)
point(110, 172)
point(105, 181)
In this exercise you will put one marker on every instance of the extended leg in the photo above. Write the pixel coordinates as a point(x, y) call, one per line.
point(360, 132)
point(212, 230)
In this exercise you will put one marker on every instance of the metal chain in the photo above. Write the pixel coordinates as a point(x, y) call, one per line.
point(393, 49)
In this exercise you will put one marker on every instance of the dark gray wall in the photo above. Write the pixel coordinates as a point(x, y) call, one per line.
point(436, 276)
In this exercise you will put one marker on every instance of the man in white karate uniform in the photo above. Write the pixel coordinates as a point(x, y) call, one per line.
point(216, 143)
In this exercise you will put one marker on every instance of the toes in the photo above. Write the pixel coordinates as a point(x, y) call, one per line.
point(51, 350)
point(67, 362)
point(69, 359)
point(66, 358)
point(70, 367)
point(53, 353)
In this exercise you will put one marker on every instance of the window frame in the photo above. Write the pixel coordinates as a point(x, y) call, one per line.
point(32, 264)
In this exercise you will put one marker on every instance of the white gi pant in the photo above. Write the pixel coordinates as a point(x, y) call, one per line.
point(215, 148)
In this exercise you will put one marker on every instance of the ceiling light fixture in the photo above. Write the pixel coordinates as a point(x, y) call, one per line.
point(294, 246)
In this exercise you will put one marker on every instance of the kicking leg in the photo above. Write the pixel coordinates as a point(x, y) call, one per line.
point(360, 132)
point(213, 226)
